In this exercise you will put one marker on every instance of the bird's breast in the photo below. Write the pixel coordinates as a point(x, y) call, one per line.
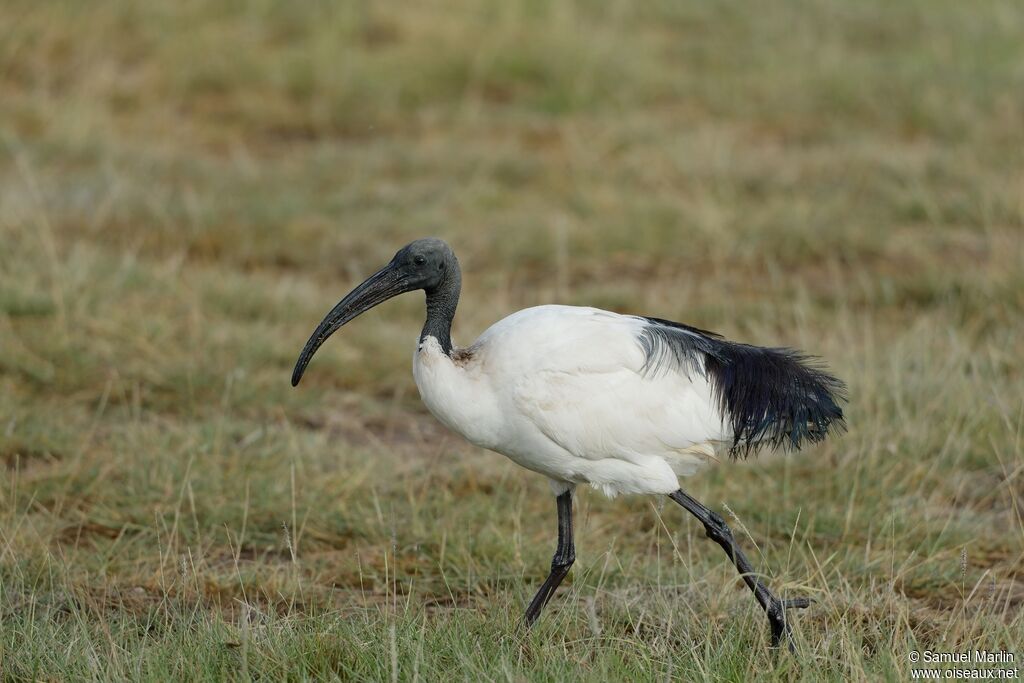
point(457, 390)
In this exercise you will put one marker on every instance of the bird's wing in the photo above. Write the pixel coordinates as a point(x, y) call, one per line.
point(601, 384)
point(586, 386)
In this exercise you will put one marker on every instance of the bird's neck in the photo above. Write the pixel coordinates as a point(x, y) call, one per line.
point(441, 304)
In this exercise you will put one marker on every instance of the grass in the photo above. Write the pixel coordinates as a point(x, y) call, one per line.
point(185, 188)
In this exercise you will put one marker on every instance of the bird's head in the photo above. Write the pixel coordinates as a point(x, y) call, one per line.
point(425, 264)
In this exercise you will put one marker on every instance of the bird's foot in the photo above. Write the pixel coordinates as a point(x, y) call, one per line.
point(776, 611)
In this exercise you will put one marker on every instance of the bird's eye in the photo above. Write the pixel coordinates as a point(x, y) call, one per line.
point(419, 260)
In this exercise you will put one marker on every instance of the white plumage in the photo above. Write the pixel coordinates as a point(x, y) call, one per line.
point(563, 391)
point(624, 403)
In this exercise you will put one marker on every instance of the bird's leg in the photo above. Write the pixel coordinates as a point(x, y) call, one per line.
point(565, 555)
point(719, 532)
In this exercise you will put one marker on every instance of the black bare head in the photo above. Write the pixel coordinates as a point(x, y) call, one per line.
point(425, 263)
point(428, 264)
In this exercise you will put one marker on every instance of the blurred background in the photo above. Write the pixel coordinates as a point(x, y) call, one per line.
point(187, 187)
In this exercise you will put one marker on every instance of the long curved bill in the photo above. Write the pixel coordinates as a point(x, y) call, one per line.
point(376, 289)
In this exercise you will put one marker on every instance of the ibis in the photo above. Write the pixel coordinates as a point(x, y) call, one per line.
point(624, 403)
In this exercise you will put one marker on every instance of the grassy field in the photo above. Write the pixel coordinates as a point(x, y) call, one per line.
point(187, 187)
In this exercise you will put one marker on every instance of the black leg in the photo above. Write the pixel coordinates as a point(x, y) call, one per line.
point(565, 555)
point(719, 532)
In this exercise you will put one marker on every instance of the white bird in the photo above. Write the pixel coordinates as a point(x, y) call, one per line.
point(624, 403)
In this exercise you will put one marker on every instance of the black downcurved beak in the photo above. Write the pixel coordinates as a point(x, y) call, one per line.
point(376, 289)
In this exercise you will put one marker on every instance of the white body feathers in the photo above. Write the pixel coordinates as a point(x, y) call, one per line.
point(563, 391)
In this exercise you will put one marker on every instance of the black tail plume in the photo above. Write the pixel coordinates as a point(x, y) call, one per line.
point(774, 397)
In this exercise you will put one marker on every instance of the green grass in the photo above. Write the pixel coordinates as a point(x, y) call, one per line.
point(185, 189)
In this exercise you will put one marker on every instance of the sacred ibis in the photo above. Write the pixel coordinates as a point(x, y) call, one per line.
point(625, 403)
